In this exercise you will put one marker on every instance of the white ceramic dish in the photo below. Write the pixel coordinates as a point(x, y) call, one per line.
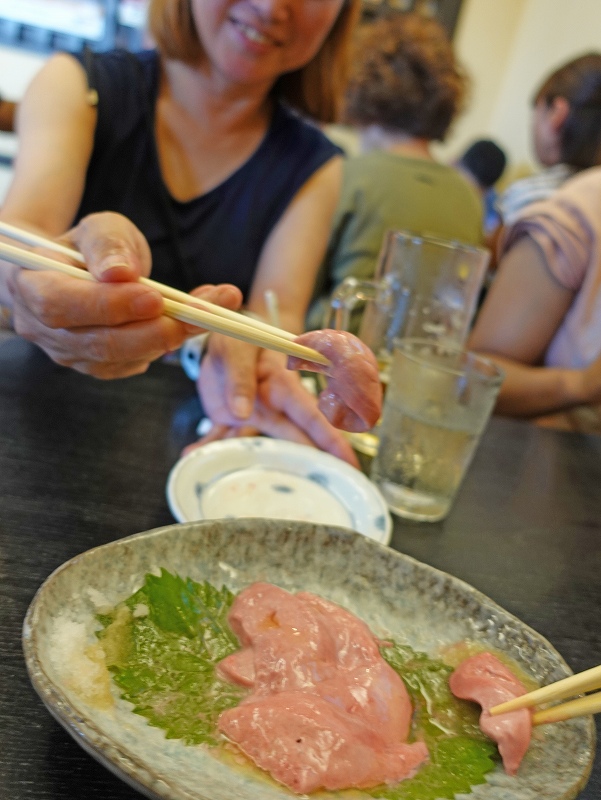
point(393, 593)
point(270, 478)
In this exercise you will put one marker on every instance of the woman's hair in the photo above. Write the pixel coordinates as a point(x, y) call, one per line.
point(405, 77)
point(315, 90)
point(578, 82)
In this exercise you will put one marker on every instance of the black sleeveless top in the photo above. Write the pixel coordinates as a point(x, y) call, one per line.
point(214, 238)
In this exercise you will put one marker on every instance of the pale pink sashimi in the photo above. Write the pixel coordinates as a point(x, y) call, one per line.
point(239, 667)
point(291, 647)
point(288, 659)
point(354, 642)
point(375, 694)
point(325, 710)
point(487, 681)
point(253, 610)
point(352, 400)
point(307, 743)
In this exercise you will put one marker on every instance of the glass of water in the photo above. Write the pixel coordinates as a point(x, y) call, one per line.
point(439, 400)
point(423, 287)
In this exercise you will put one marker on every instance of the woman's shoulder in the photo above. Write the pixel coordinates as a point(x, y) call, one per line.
point(566, 226)
point(577, 200)
point(126, 86)
point(583, 188)
point(121, 73)
point(531, 189)
point(290, 130)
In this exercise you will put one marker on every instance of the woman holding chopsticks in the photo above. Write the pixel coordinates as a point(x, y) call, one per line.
point(211, 176)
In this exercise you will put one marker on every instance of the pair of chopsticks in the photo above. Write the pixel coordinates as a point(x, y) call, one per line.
point(576, 684)
point(179, 305)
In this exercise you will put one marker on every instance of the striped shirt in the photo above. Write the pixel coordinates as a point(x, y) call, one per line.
point(531, 190)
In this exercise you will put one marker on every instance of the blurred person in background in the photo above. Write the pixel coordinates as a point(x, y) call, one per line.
point(483, 163)
point(566, 132)
point(541, 320)
point(406, 88)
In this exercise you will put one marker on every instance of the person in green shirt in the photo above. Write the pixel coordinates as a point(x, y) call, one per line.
point(404, 93)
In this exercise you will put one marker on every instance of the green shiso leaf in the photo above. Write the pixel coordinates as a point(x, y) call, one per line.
point(460, 754)
point(163, 645)
point(437, 711)
point(456, 764)
point(164, 642)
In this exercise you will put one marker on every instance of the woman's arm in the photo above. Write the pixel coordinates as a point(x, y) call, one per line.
point(55, 125)
point(56, 129)
point(522, 312)
point(288, 266)
point(240, 385)
point(295, 249)
point(109, 329)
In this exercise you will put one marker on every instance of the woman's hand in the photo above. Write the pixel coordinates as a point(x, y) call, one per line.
point(114, 327)
point(589, 380)
point(244, 391)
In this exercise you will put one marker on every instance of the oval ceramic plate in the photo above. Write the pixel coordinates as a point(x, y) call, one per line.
point(261, 477)
point(393, 593)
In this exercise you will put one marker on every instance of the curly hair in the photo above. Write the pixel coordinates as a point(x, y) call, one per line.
point(316, 89)
point(579, 82)
point(405, 77)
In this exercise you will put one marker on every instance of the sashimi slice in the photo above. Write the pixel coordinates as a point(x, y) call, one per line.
point(307, 743)
point(353, 397)
point(487, 681)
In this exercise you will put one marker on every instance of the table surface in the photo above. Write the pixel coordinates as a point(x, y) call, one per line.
point(84, 462)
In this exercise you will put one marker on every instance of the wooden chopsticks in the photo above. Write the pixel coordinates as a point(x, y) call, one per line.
point(567, 687)
point(178, 305)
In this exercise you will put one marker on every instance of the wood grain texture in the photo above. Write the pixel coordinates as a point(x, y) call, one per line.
point(83, 462)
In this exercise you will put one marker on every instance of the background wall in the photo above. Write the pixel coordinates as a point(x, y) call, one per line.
point(509, 47)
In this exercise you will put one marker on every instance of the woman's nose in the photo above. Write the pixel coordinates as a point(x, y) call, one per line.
point(272, 9)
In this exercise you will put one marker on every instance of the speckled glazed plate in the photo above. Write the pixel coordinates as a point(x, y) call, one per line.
point(260, 477)
point(393, 593)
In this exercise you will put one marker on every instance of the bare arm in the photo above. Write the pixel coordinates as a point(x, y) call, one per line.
point(523, 310)
point(241, 386)
point(55, 125)
point(296, 247)
point(112, 328)
point(56, 129)
point(288, 266)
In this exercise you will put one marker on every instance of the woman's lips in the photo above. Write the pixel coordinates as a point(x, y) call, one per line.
point(253, 34)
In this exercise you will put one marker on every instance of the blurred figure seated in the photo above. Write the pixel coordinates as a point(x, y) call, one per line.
point(404, 93)
point(566, 132)
point(541, 320)
point(483, 163)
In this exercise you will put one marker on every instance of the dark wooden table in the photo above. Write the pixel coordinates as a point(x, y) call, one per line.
point(83, 462)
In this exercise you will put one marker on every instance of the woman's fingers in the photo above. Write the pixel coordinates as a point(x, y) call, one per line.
point(105, 330)
point(60, 301)
point(241, 379)
point(228, 380)
point(113, 248)
point(113, 326)
point(300, 409)
point(223, 294)
point(219, 432)
point(104, 352)
point(282, 407)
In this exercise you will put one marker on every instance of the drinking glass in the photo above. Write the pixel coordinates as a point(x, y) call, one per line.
point(439, 400)
point(423, 287)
